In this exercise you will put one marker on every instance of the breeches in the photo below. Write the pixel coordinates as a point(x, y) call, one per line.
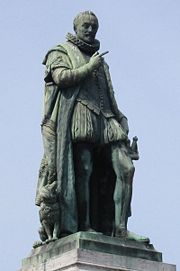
point(89, 127)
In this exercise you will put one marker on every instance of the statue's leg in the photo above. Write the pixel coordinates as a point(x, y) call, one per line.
point(47, 228)
point(42, 234)
point(124, 171)
point(56, 230)
point(83, 169)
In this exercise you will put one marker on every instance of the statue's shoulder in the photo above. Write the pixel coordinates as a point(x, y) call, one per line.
point(106, 66)
point(58, 49)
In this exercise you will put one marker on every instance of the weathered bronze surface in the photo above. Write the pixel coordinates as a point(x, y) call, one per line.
point(86, 174)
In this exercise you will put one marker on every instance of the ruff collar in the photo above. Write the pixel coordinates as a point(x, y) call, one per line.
point(87, 48)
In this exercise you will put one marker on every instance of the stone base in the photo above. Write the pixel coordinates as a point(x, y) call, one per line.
point(88, 251)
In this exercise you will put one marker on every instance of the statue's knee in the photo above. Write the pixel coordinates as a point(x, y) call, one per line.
point(84, 163)
point(117, 198)
point(129, 170)
point(87, 168)
point(132, 169)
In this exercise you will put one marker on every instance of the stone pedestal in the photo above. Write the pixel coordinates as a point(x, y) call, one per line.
point(88, 251)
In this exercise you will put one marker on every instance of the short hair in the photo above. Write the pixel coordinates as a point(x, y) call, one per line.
point(88, 12)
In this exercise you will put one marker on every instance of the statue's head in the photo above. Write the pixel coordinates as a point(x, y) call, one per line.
point(86, 26)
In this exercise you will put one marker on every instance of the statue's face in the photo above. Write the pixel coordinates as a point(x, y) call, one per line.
point(86, 28)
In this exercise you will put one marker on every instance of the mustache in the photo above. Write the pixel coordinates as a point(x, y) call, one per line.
point(89, 33)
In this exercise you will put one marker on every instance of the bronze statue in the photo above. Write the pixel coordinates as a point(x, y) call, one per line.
point(87, 152)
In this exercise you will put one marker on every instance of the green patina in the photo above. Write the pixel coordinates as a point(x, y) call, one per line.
point(86, 174)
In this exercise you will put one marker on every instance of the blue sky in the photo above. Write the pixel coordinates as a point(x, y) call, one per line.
point(144, 58)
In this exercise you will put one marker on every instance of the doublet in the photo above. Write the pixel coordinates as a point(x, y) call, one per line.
point(94, 93)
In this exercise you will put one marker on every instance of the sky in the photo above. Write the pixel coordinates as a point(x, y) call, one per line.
point(143, 39)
